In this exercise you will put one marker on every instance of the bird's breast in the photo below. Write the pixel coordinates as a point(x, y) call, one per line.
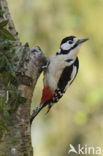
point(54, 71)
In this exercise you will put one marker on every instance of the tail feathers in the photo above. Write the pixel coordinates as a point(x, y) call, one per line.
point(35, 112)
point(39, 108)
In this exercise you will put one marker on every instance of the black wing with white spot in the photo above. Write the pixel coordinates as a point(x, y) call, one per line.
point(64, 80)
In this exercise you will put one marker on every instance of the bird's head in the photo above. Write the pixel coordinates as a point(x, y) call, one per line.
point(71, 45)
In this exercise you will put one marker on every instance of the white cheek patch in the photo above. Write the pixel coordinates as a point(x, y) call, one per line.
point(65, 46)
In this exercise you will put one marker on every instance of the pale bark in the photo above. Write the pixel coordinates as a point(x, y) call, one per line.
point(17, 139)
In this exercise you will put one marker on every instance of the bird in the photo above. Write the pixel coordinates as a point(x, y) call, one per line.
point(59, 73)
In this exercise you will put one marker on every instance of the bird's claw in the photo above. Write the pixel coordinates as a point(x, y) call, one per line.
point(46, 66)
point(49, 107)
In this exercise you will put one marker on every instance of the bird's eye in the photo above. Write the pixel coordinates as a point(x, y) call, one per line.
point(70, 42)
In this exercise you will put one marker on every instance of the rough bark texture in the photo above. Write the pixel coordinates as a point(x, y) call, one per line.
point(17, 140)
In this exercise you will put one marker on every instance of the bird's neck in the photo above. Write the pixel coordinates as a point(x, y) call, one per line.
point(67, 57)
point(71, 54)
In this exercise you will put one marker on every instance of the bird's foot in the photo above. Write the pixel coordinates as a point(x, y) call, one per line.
point(49, 107)
point(46, 66)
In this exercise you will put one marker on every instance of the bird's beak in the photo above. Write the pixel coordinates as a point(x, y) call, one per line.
point(81, 40)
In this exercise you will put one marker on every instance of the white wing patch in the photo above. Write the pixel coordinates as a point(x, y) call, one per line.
point(74, 72)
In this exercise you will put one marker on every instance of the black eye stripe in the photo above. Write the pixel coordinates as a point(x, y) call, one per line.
point(63, 52)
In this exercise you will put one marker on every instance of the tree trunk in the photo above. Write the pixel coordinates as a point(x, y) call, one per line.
point(20, 78)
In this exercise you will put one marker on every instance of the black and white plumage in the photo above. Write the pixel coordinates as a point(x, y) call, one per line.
point(61, 71)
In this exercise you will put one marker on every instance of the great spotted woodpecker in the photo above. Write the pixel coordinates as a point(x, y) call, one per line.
point(61, 70)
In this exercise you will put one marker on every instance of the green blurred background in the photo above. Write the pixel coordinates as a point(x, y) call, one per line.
point(78, 117)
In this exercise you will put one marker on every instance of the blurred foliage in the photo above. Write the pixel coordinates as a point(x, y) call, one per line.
point(78, 117)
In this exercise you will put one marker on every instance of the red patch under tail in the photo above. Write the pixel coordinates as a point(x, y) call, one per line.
point(47, 94)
